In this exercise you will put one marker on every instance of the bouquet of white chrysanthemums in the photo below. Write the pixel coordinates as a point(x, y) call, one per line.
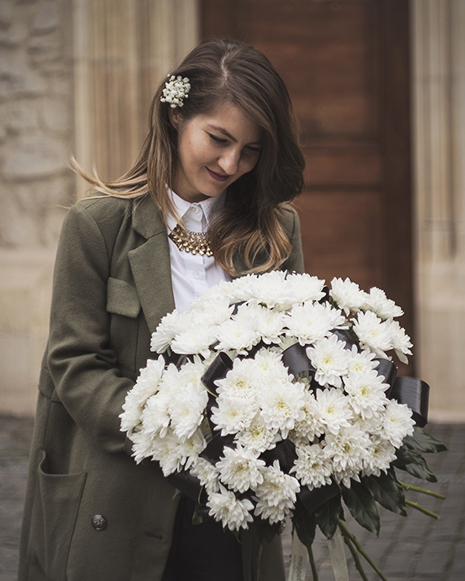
point(275, 386)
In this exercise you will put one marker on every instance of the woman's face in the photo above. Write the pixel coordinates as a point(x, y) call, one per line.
point(214, 150)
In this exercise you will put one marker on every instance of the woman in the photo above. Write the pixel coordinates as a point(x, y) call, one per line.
point(204, 202)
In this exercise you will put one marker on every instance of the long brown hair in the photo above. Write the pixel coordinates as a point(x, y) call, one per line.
point(222, 71)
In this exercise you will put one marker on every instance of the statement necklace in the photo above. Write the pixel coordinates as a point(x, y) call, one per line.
point(193, 242)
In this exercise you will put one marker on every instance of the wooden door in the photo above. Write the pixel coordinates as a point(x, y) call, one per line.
point(346, 65)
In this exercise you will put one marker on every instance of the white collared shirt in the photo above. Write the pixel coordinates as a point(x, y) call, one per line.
point(193, 274)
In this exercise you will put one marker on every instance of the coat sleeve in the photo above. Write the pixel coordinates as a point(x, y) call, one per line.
point(295, 261)
point(82, 364)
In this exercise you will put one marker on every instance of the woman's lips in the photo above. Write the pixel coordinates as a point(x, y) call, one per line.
point(217, 176)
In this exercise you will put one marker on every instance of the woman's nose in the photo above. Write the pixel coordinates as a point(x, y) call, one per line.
point(229, 161)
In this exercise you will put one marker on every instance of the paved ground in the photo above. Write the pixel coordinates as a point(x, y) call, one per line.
point(416, 548)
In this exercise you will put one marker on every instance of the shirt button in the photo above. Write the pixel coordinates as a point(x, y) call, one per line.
point(196, 210)
point(196, 275)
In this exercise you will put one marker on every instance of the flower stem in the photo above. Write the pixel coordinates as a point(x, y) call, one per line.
point(422, 490)
point(421, 508)
point(312, 563)
point(355, 556)
point(345, 531)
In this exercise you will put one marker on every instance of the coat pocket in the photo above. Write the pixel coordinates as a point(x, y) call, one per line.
point(124, 307)
point(54, 517)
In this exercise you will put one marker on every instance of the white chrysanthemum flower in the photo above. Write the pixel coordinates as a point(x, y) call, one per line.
point(331, 359)
point(312, 466)
point(240, 469)
point(269, 290)
point(302, 288)
point(281, 405)
point(192, 372)
point(277, 489)
point(373, 333)
point(361, 362)
point(238, 334)
point(227, 509)
point(155, 416)
point(311, 322)
point(335, 410)
point(195, 339)
point(378, 303)
point(270, 366)
point(366, 393)
point(347, 295)
point(142, 445)
point(397, 423)
point(243, 381)
point(269, 324)
point(310, 426)
point(207, 473)
point(147, 384)
point(186, 407)
point(257, 437)
point(171, 325)
point(400, 341)
point(174, 455)
point(233, 414)
point(272, 514)
point(347, 450)
point(379, 456)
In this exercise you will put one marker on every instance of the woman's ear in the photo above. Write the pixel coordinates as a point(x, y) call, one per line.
point(175, 117)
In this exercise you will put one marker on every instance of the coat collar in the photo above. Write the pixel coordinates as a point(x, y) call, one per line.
point(150, 263)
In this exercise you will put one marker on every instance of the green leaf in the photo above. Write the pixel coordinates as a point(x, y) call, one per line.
point(362, 506)
point(413, 463)
point(328, 515)
point(305, 524)
point(387, 491)
point(423, 442)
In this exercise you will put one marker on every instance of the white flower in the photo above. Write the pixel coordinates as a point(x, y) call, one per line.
point(347, 295)
point(186, 407)
point(240, 468)
point(347, 450)
point(303, 288)
point(227, 509)
point(400, 341)
point(176, 90)
point(155, 416)
point(196, 339)
point(239, 333)
point(311, 425)
point(268, 289)
point(378, 303)
point(379, 456)
point(334, 409)
point(147, 384)
point(397, 423)
point(171, 324)
point(330, 359)
point(207, 473)
point(312, 466)
point(257, 437)
point(277, 490)
point(173, 455)
point(269, 324)
point(361, 362)
point(269, 365)
point(311, 322)
point(281, 405)
point(233, 414)
point(366, 393)
point(243, 381)
point(373, 333)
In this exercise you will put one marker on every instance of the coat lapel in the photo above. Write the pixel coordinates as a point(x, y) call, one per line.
point(150, 263)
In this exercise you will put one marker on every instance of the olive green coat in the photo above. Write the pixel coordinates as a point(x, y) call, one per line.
point(112, 285)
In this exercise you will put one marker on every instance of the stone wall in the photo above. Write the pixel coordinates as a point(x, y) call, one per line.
point(36, 137)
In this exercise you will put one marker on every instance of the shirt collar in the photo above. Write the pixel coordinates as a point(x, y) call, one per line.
point(208, 206)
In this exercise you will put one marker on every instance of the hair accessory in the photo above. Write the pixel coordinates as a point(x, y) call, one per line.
point(194, 242)
point(176, 89)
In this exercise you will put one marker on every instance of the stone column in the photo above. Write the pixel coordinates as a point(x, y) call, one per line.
point(76, 77)
point(438, 97)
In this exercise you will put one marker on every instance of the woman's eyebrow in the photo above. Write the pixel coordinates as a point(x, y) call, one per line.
point(225, 132)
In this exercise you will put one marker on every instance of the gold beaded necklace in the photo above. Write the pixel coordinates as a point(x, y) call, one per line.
point(193, 242)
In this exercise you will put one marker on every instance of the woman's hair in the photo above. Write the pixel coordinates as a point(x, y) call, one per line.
point(227, 72)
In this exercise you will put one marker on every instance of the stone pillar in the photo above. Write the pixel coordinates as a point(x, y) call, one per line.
point(438, 97)
point(76, 77)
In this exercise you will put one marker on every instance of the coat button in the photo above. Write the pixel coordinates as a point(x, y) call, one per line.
point(99, 522)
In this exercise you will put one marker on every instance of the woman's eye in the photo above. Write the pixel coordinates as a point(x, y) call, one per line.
point(218, 140)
